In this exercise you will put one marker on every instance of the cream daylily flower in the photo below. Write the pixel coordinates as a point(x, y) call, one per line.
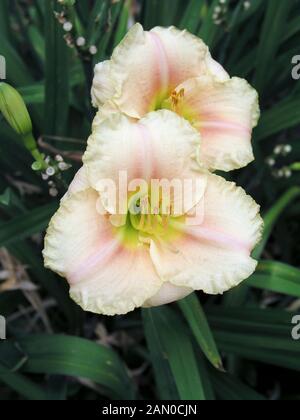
point(168, 68)
point(115, 262)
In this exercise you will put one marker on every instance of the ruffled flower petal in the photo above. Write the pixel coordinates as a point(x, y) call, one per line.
point(185, 54)
point(79, 183)
point(225, 113)
point(161, 146)
point(103, 88)
point(215, 255)
point(82, 246)
point(136, 73)
point(216, 70)
point(168, 293)
point(146, 66)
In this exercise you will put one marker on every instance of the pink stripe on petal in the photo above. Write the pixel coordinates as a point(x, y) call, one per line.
point(226, 239)
point(216, 236)
point(220, 238)
point(145, 161)
point(162, 61)
point(222, 125)
point(100, 257)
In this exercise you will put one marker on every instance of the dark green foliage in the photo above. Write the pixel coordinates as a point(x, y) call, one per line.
point(182, 351)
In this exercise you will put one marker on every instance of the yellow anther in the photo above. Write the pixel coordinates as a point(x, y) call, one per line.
point(176, 97)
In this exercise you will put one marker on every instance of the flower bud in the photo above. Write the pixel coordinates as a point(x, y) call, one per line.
point(14, 110)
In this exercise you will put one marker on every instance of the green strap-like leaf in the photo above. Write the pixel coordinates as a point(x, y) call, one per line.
point(237, 296)
point(70, 356)
point(57, 75)
point(197, 321)
point(270, 38)
point(57, 288)
point(168, 338)
point(277, 277)
point(209, 30)
point(191, 18)
point(229, 388)
point(164, 379)
point(4, 19)
point(272, 216)
point(281, 116)
point(26, 225)
point(122, 26)
point(22, 385)
point(256, 334)
point(16, 71)
point(5, 198)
